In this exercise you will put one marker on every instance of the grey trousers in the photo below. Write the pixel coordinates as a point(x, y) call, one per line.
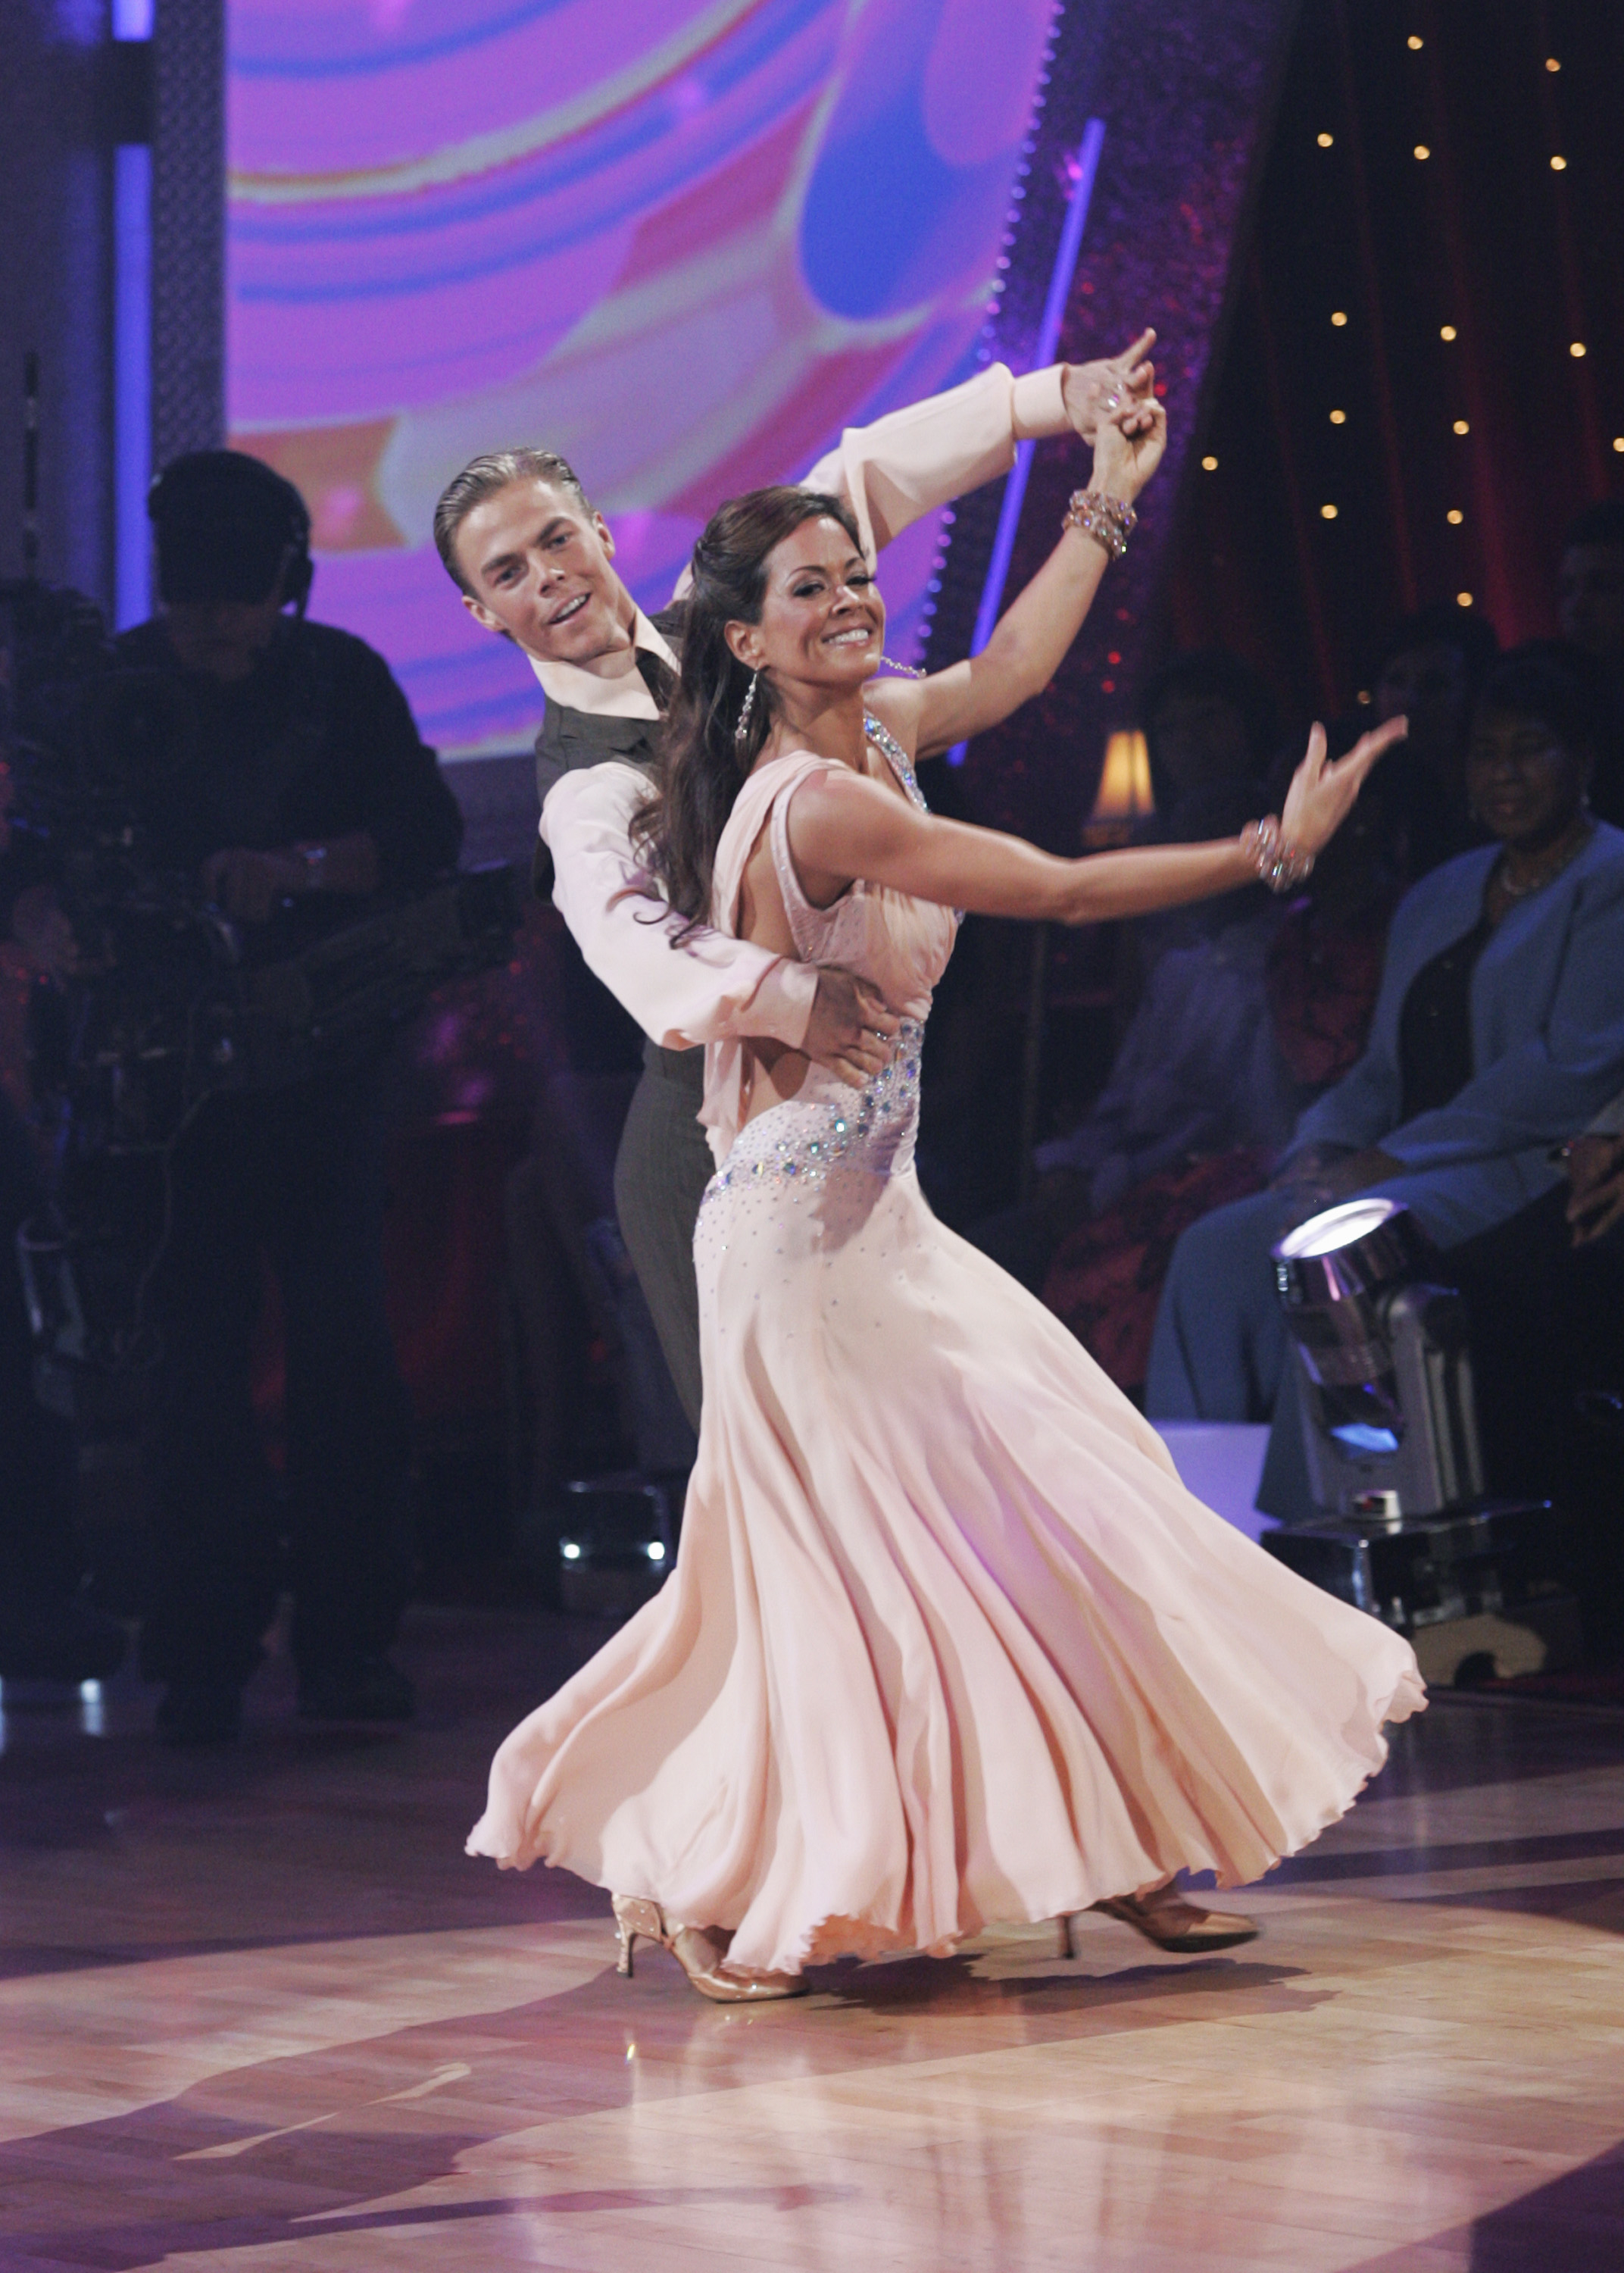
point(661, 1171)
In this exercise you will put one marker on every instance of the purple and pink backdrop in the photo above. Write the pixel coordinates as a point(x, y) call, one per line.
point(683, 241)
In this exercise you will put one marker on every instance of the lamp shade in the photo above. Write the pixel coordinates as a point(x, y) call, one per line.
point(1125, 791)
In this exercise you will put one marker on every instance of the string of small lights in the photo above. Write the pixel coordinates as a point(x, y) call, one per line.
point(1424, 424)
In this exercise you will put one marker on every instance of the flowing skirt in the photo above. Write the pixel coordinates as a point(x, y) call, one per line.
point(947, 1642)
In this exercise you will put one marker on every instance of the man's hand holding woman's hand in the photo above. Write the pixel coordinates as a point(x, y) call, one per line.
point(1121, 386)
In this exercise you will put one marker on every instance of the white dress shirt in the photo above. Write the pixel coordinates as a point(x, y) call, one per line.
point(711, 988)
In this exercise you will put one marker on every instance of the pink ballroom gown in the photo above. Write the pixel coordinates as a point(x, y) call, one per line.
point(947, 1643)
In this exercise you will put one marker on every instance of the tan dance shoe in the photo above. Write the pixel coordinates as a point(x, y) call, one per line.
point(700, 1951)
point(1163, 1917)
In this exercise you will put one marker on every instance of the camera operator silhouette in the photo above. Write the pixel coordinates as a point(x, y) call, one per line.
point(294, 790)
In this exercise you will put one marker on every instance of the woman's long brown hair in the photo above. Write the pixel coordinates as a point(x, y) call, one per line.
point(678, 829)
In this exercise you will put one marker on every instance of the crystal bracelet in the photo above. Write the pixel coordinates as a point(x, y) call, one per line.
point(1279, 865)
point(1105, 519)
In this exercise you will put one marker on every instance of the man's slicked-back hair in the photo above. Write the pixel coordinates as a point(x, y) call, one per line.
point(483, 477)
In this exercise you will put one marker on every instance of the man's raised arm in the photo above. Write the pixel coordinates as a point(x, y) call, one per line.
point(912, 461)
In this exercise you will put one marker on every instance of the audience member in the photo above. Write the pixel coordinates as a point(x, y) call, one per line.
point(1325, 963)
point(1428, 670)
point(1499, 1030)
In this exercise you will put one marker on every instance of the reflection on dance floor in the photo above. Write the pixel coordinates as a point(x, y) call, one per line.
point(263, 2003)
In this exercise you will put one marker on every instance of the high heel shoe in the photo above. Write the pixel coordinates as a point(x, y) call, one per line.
point(700, 1951)
point(1163, 1917)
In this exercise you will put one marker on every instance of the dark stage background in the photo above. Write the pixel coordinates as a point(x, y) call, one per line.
point(1469, 277)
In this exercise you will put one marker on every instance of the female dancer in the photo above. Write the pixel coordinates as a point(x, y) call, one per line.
point(947, 1642)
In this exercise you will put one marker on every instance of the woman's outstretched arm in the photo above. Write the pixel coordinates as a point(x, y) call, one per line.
point(843, 826)
point(1037, 629)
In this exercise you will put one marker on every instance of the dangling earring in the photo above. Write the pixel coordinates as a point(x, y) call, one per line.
point(902, 670)
point(743, 727)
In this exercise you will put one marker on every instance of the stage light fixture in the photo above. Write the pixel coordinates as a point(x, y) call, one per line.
point(1339, 418)
point(1461, 427)
point(1559, 165)
point(1578, 349)
point(1415, 41)
point(1552, 64)
point(1325, 140)
point(1422, 152)
point(1380, 1341)
point(1462, 599)
point(1384, 1369)
point(1617, 443)
point(1339, 317)
point(1448, 333)
point(1455, 517)
point(1210, 465)
point(1328, 512)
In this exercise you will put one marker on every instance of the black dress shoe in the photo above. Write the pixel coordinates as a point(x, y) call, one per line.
point(372, 1689)
point(63, 1641)
point(194, 1714)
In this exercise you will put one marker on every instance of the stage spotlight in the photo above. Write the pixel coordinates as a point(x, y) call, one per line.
point(1391, 1435)
point(1386, 1376)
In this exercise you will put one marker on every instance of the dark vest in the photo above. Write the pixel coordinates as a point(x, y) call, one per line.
point(571, 741)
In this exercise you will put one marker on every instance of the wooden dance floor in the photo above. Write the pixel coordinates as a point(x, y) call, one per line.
point(260, 2013)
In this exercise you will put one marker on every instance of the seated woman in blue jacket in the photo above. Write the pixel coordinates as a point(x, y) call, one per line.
point(1498, 1030)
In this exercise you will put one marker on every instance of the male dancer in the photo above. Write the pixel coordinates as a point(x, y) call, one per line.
point(534, 562)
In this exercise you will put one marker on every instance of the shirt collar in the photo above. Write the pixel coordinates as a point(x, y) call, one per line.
point(624, 696)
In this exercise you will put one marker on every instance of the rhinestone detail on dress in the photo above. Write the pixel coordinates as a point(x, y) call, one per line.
point(889, 748)
point(799, 1142)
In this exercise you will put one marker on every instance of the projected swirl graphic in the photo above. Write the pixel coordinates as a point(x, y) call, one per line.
point(683, 241)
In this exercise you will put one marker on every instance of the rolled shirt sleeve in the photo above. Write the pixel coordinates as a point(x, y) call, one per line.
point(708, 989)
point(912, 461)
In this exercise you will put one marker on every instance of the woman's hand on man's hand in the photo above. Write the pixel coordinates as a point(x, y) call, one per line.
point(1128, 447)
